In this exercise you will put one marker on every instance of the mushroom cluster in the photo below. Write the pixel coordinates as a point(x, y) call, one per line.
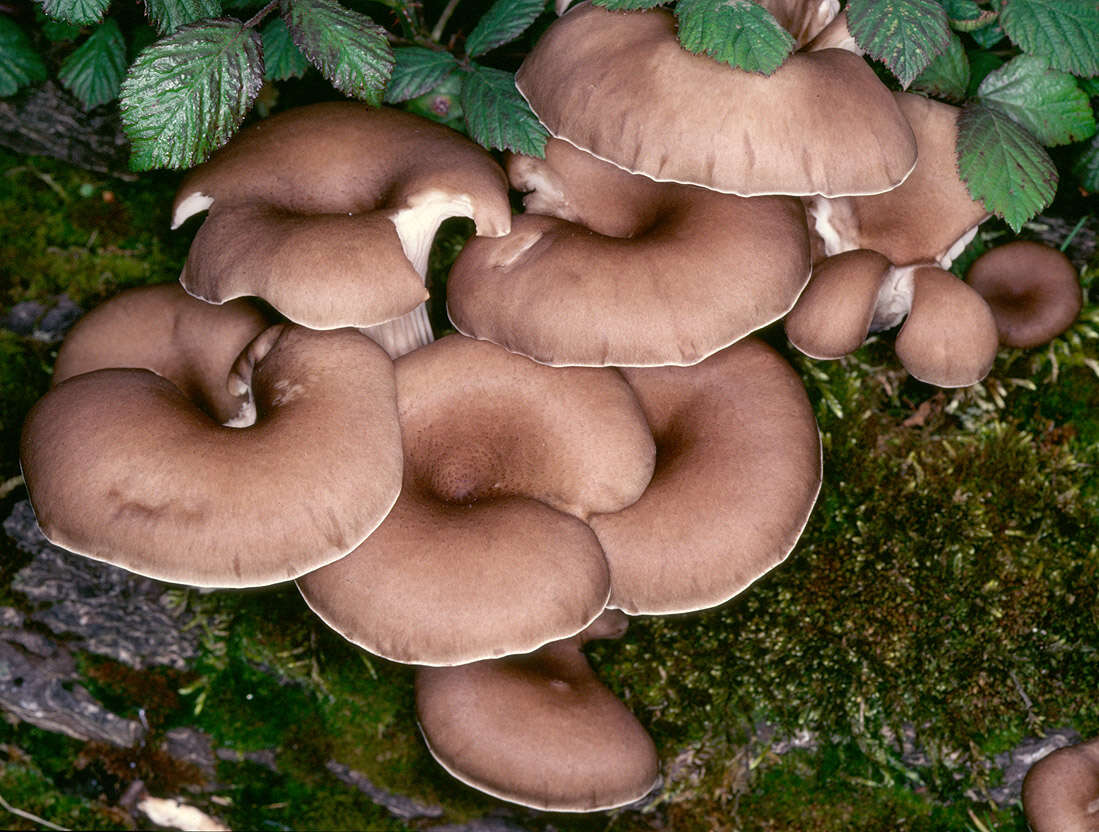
point(603, 437)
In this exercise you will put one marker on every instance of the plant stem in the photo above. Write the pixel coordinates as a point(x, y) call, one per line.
point(261, 14)
point(1071, 234)
point(440, 24)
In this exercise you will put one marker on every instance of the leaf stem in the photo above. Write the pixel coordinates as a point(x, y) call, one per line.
point(1071, 234)
point(440, 24)
point(255, 19)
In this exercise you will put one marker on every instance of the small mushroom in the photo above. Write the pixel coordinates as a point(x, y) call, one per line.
point(738, 469)
point(161, 328)
point(486, 552)
point(539, 729)
point(328, 212)
point(122, 467)
point(1061, 791)
point(620, 86)
point(1033, 290)
point(612, 268)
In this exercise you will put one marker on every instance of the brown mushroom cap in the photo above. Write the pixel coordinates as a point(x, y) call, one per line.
point(804, 19)
point(486, 552)
point(328, 211)
point(929, 218)
point(161, 328)
point(614, 84)
point(738, 469)
point(1033, 290)
point(122, 467)
point(1061, 791)
point(656, 274)
point(949, 338)
point(538, 729)
point(834, 313)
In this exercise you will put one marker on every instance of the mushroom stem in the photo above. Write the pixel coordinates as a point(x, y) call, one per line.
point(404, 334)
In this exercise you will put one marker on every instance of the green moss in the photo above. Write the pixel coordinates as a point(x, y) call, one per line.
point(24, 376)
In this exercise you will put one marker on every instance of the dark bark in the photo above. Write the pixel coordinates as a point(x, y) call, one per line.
point(48, 121)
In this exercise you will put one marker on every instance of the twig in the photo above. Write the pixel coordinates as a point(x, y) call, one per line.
point(261, 14)
point(32, 818)
point(440, 24)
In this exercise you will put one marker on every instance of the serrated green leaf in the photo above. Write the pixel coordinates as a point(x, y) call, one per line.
point(349, 49)
point(948, 75)
point(1064, 31)
point(281, 59)
point(20, 65)
point(187, 94)
point(1086, 169)
point(169, 15)
point(740, 33)
point(80, 12)
point(1003, 166)
point(442, 104)
point(988, 36)
point(93, 73)
point(504, 21)
point(418, 70)
point(497, 116)
point(905, 35)
point(1046, 102)
point(628, 5)
point(966, 15)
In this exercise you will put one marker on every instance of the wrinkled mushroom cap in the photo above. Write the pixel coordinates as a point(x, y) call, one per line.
point(161, 328)
point(1061, 791)
point(1033, 290)
point(486, 552)
point(538, 729)
point(949, 337)
point(615, 84)
point(657, 274)
point(328, 211)
point(122, 467)
point(738, 469)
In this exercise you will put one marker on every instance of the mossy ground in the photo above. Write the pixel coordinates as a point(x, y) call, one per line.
point(945, 590)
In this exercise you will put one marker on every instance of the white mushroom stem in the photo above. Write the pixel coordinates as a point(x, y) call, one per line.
point(894, 298)
point(417, 225)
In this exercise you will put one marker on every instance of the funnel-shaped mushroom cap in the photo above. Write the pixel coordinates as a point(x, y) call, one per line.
point(328, 211)
point(620, 86)
point(538, 729)
point(834, 313)
point(949, 338)
point(485, 552)
point(161, 328)
point(929, 218)
point(1061, 791)
point(738, 468)
point(687, 271)
point(122, 467)
point(1033, 290)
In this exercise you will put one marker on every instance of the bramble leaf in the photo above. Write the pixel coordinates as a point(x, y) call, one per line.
point(1090, 86)
point(1064, 31)
point(905, 35)
point(504, 21)
point(497, 116)
point(1046, 102)
point(93, 73)
point(81, 12)
point(1086, 169)
point(740, 33)
point(169, 15)
point(187, 93)
point(282, 60)
point(1003, 166)
point(948, 75)
point(988, 36)
point(20, 64)
point(417, 71)
point(349, 49)
point(966, 15)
